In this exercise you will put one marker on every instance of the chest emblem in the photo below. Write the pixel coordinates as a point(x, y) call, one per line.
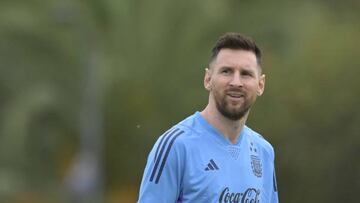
point(256, 164)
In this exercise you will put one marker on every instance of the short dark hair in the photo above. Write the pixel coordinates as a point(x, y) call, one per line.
point(232, 40)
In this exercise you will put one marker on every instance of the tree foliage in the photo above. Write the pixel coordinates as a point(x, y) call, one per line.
point(151, 56)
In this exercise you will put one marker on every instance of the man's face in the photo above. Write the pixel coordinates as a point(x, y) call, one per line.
point(234, 81)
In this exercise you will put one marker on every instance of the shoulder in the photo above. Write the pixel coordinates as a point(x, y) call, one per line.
point(170, 150)
point(183, 137)
point(178, 136)
point(260, 141)
point(188, 128)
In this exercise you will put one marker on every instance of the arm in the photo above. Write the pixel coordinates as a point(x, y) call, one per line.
point(275, 198)
point(274, 191)
point(162, 176)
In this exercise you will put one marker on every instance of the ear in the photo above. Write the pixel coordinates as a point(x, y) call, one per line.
point(261, 85)
point(207, 79)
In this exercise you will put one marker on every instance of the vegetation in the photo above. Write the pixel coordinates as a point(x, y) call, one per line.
point(124, 71)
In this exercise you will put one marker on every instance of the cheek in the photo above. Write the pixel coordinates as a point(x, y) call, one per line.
point(217, 87)
point(216, 91)
point(252, 86)
point(219, 82)
point(252, 90)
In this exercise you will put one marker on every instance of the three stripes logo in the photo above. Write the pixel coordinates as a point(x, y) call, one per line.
point(164, 146)
point(211, 166)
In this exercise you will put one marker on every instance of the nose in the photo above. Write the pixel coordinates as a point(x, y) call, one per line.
point(236, 81)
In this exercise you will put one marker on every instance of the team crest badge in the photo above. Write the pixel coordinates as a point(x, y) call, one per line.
point(256, 166)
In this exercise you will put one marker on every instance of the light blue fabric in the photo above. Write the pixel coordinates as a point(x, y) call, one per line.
point(193, 163)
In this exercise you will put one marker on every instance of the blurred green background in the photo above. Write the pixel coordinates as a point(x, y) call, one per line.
point(87, 86)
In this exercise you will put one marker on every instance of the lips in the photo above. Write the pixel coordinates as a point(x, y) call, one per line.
point(235, 94)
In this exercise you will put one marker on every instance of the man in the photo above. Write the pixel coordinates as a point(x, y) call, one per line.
point(212, 156)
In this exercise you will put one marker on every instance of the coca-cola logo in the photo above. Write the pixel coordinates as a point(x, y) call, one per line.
point(251, 195)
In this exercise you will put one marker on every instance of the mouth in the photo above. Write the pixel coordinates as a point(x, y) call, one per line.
point(235, 96)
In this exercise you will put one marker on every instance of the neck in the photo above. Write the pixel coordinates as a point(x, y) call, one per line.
point(228, 128)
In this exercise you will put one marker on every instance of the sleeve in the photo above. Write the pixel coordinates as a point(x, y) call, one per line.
point(275, 197)
point(274, 191)
point(161, 181)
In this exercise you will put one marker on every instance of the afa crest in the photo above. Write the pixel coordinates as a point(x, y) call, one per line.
point(256, 166)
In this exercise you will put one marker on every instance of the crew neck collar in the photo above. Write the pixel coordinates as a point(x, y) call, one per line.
point(216, 133)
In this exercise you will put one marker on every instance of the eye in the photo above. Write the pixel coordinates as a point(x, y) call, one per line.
point(247, 73)
point(225, 71)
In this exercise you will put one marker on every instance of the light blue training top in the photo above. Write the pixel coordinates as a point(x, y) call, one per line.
point(193, 163)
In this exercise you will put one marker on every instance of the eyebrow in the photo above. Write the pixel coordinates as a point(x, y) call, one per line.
point(246, 69)
point(225, 67)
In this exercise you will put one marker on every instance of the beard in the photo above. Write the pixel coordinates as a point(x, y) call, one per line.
point(232, 113)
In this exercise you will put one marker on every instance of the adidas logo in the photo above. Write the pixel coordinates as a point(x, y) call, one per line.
point(211, 166)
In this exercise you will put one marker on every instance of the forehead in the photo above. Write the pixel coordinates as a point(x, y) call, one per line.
point(235, 58)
